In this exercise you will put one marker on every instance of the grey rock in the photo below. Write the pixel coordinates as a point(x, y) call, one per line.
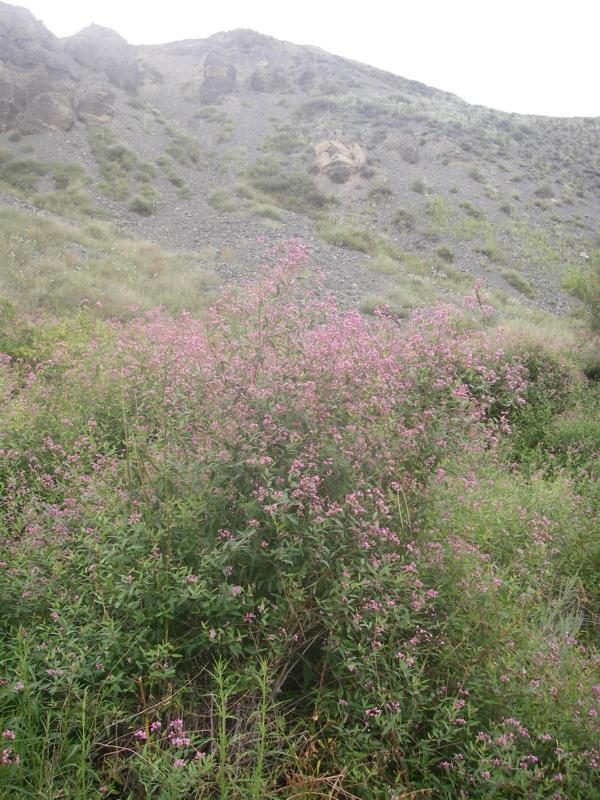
point(103, 51)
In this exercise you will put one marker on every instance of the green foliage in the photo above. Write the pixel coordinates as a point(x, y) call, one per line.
point(584, 284)
point(288, 188)
point(476, 174)
point(380, 192)
point(52, 267)
point(120, 168)
point(544, 191)
point(142, 205)
point(68, 197)
point(419, 186)
point(23, 175)
point(317, 107)
point(352, 237)
point(489, 249)
point(518, 282)
point(404, 219)
point(221, 200)
point(167, 166)
point(285, 553)
point(384, 265)
point(445, 253)
point(183, 148)
point(470, 209)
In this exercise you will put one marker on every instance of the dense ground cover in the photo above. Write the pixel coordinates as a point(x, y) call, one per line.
point(284, 551)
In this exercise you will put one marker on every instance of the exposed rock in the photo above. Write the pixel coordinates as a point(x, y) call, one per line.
point(339, 161)
point(219, 78)
point(46, 113)
point(103, 51)
point(8, 99)
point(266, 78)
point(25, 43)
point(33, 75)
point(94, 103)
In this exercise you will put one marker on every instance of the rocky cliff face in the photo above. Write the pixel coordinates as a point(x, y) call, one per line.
point(35, 76)
point(105, 54)
point(46, 84)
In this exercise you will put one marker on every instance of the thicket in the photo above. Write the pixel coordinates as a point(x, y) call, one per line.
point(286, 551)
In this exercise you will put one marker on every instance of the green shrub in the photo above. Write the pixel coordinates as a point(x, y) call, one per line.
point(584, 284)
point(290, 189)
point(544, 191)
point(490, 250)
point(476, 174)
point(470, 209)
point(354, 238)
point(404, 219)
point(380, 192)
point(144, 206)
point(221, 200)
point(445, 253)
point(518, 282)
point(419, 186)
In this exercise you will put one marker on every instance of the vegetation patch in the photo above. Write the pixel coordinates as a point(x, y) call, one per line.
point(47, 267)
point(518, 282)
point(65, 190)
point(122, 172)
point(352, 237)
point(221, 200)
point(286, 551)
point(288, 188)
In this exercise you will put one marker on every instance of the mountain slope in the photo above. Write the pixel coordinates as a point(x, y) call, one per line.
point(405, 192)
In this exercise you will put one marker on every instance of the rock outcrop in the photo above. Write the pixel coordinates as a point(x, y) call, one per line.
point(35, 76)
point(94, 103)
point(49, 112)
point(339, 161)
point(268, 79)
point(219, 78)
point(103, 51)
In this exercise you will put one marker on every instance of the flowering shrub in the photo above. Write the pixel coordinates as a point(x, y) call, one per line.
point(233, 564)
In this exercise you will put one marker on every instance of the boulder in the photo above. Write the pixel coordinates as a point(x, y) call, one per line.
point(339, 161)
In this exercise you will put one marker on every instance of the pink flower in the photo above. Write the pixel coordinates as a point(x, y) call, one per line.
point(236, 590)
point(141, 735)
point(9, 757)
point(9, 734)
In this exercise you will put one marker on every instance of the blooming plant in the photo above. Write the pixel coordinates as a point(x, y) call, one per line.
point(252, 554)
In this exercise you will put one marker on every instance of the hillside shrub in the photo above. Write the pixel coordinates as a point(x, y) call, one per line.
point(274, 552)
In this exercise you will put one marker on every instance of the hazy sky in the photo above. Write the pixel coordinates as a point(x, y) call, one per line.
point(529, 56)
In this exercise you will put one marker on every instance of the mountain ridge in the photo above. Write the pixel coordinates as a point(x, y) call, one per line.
point(209, 144)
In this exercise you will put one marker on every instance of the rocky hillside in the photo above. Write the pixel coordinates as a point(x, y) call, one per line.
point(217, 146)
